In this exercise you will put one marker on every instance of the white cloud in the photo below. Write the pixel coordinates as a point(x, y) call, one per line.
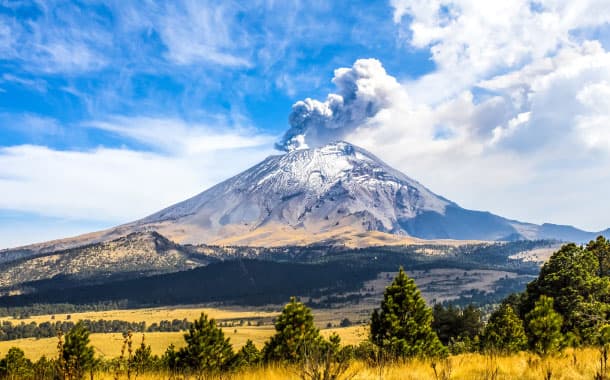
point(37, 84)
point(107, 186)
point(195, 32)
point(49, 45)
point(472, 40)
point(32, 125)
point(177, 137)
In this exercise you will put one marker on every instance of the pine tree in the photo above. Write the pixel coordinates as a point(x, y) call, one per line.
point(15, 365)
point(295, 334)
point(403, 325)
point(504, 331)
point(248, 355)
point(600, 247)
point(544, 327)
point(77, 354)
point(571, 277)
point(207, 349)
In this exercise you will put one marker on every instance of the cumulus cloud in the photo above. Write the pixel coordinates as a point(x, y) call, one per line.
point(362, 91)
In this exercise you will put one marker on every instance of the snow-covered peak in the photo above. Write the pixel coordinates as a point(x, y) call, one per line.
point(314, 189)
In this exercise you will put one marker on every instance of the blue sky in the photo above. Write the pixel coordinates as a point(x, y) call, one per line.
point(112, 110)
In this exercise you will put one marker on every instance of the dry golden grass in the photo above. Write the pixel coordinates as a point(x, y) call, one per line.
point(109, 345)
point(349, 335)
point(461, 367)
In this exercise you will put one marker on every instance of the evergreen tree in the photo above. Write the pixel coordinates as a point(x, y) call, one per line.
point(402, 327)
point(207, 349)
point(453, 324)
point(504, 331)
point(15, 365)
point(571, 278)
point(600, 247)
point(295, 334)
point(544, 327)
point(248, 355)
point(77, 354)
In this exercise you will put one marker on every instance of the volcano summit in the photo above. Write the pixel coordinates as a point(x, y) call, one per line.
point(333, 192)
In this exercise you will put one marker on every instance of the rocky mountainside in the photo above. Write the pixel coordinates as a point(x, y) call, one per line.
point(134, 255)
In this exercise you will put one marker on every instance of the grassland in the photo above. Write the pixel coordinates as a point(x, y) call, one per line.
point(576, 365)
point(109, 345)
point(581, 364)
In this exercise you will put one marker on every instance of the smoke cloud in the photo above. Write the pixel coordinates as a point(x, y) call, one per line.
point(362, 91)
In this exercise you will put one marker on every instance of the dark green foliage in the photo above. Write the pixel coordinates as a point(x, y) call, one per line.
point(579, 286)
point(248, 355)
point(77, 354)
point(9, 331)
point(15, 365)
point(504, 331)
point(207, 349)
point(544, 327)
point(295, 334)
point(402, 327)
point(600, 247)
point(456, 327)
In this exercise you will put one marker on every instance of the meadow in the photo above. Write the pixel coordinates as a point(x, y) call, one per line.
point(570, 364)
point(109, 345)
point(581, 364)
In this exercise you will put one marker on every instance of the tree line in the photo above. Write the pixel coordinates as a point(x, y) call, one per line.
point(10, 331)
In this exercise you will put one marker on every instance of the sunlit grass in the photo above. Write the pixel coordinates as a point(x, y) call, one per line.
point(570, 365)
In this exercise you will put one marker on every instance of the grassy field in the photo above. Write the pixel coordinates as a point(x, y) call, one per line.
point(573, 365)
point(109, 345)
point(581, 364)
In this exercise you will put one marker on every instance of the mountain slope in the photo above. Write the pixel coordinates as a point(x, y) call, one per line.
point(134, 255)
point(322, 194)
